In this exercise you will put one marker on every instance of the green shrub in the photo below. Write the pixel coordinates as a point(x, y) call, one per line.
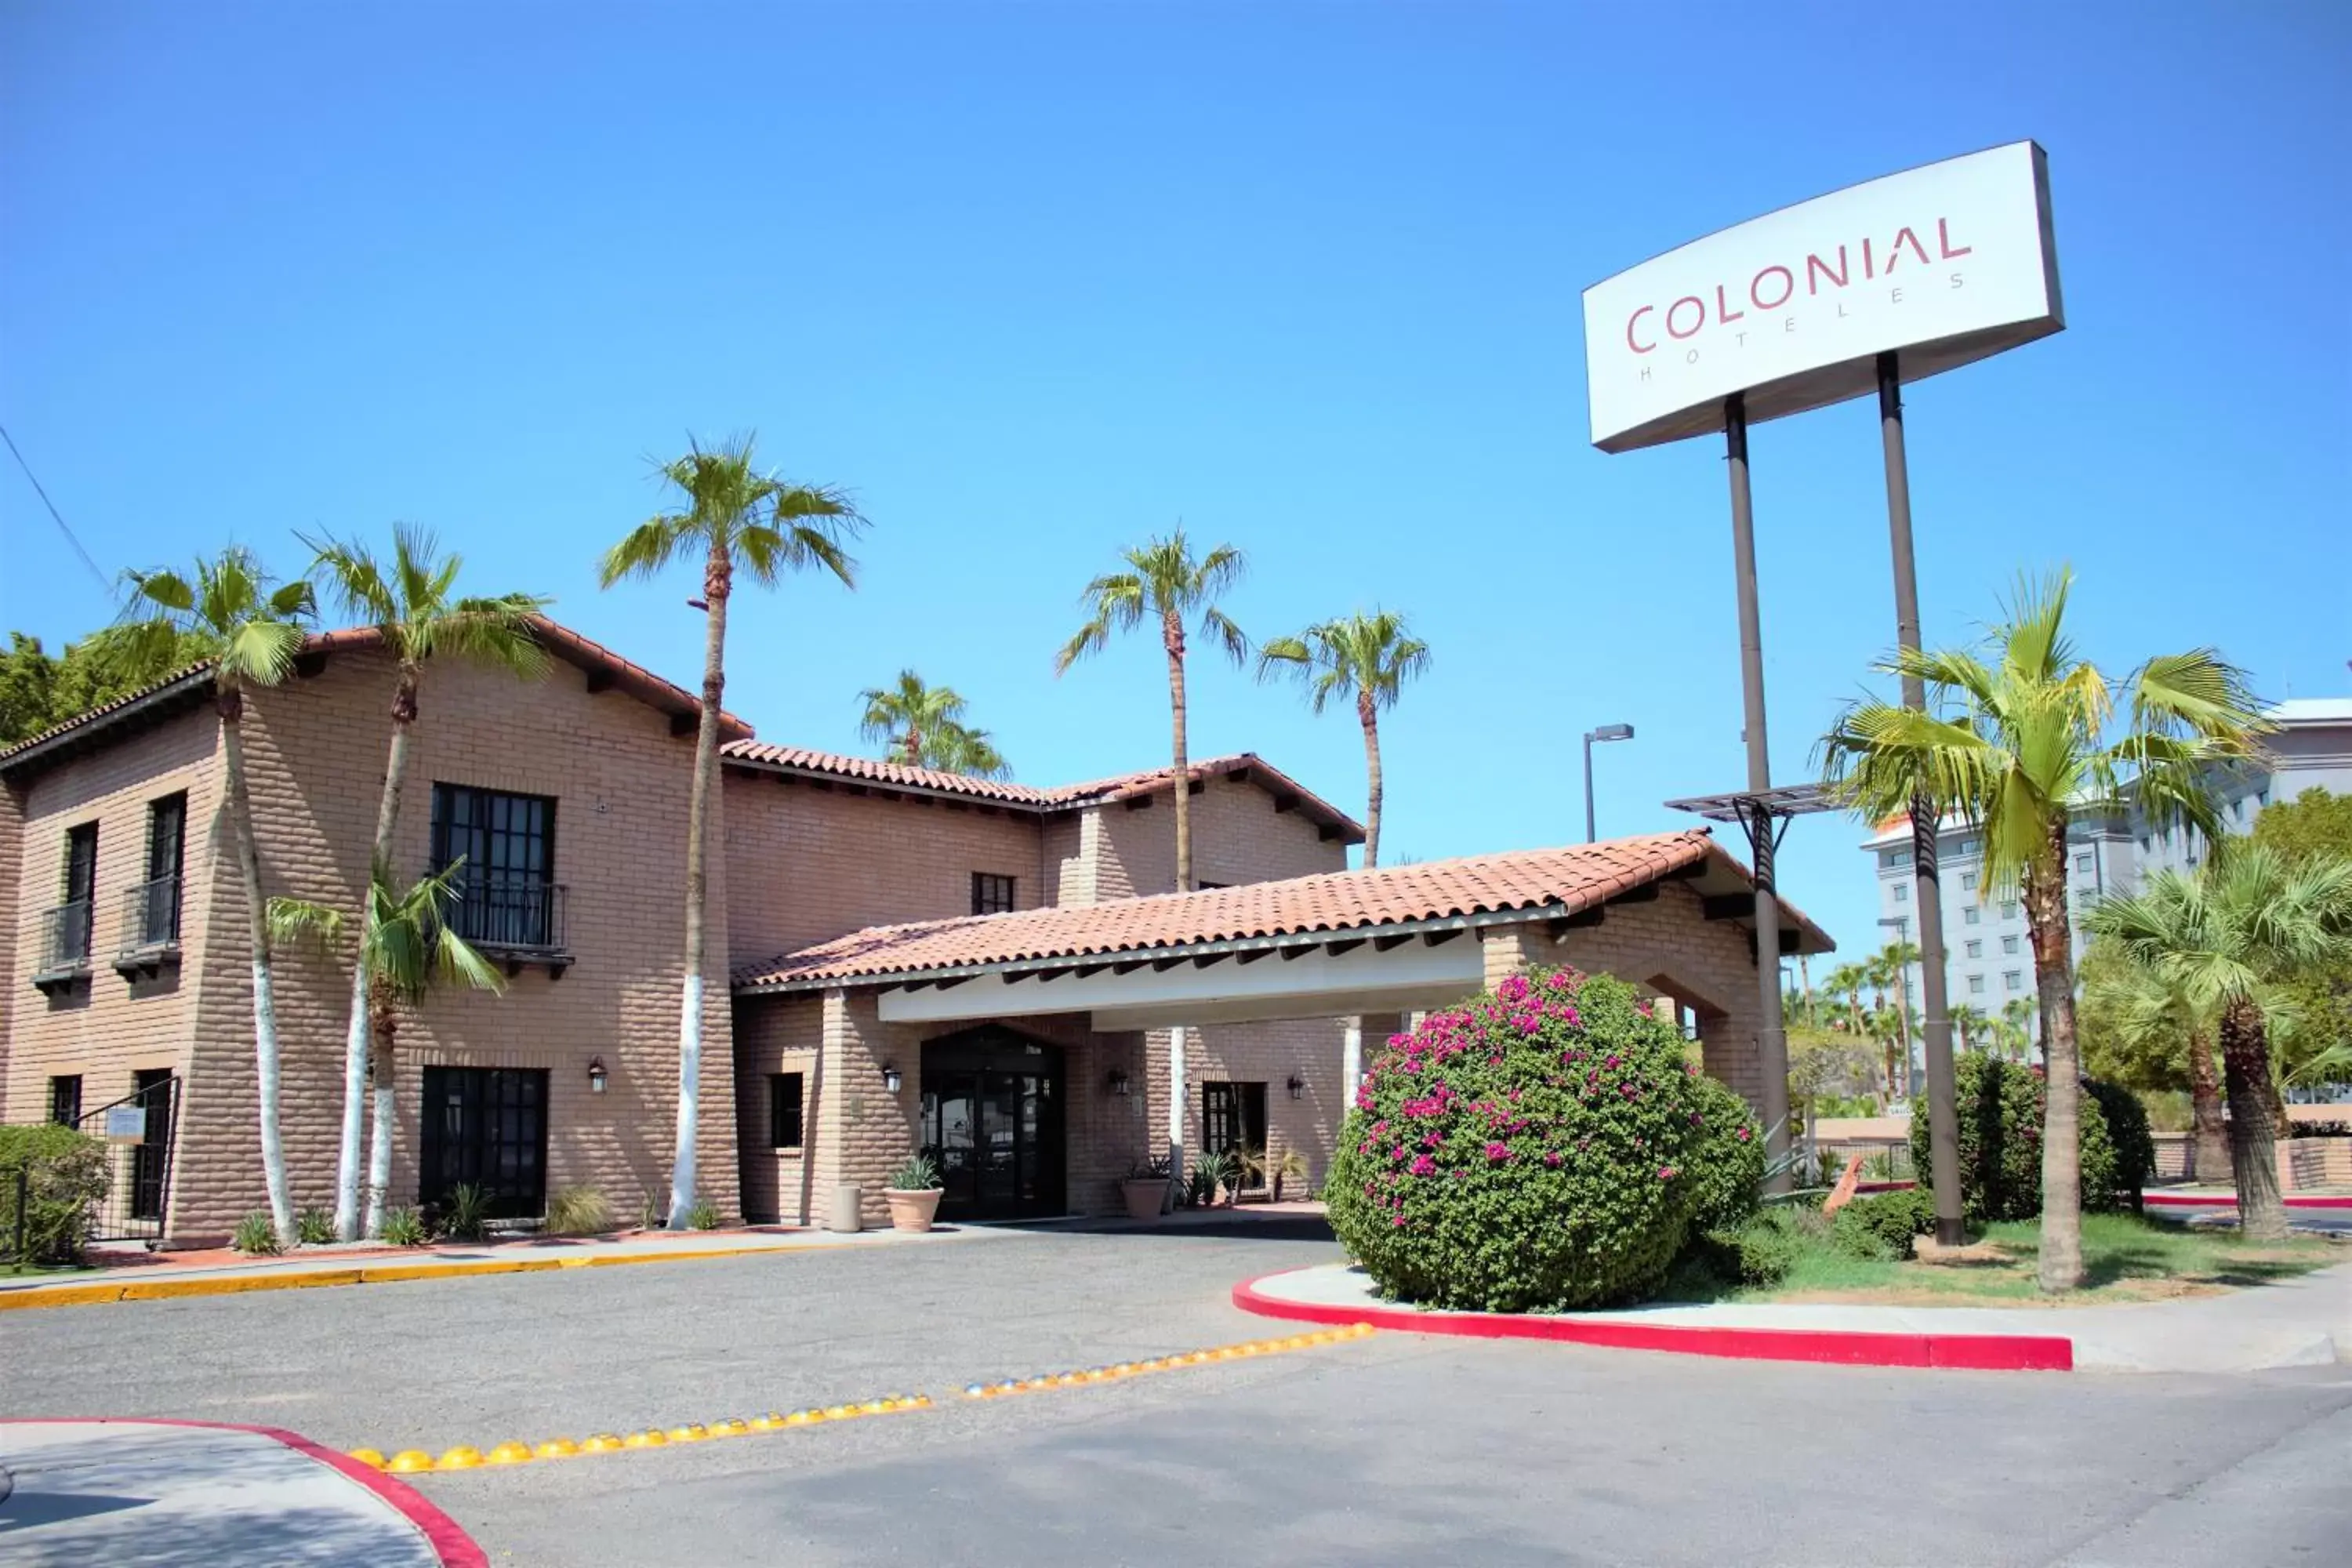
point(467, 1216)
point(1885, 1225)
point(1526, 1151)
point(916, 1173)
point(403, 1227)
point(1760, 1252)
point(65, 1176)
point(702, 1215)
point(314, 1227)
point(1725, 1165)
point(2127, 1130)
point(256, 1236)
point(2000, 1113)
point(578, 1211)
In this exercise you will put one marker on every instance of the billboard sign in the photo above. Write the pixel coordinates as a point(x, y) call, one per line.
point(1949, 264)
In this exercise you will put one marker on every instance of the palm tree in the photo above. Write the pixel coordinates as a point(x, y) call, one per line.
point(2216, 945)
point(2153, 1012)
point(1970, 1021)
point(407, 951)
point(1163, 580)
point(922, 727)
point(1897, 958)
point(412, 603)
point(1847, 979)
point(257, 630)
point(1364, 656)
point(2013, 743)
point(2017, 1016)
point(736, 518)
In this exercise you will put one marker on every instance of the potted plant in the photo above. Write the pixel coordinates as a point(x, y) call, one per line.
point(1145, 1188)
point(1246, 1173)
point(1290, 1166)
point(1213, 1172)
point(913, 1194)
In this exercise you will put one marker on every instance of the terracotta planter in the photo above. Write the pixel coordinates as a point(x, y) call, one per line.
point(1144, 1199)
point(912, 1211)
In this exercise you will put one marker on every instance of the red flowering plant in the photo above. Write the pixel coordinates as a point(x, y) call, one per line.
point(1533, 1149)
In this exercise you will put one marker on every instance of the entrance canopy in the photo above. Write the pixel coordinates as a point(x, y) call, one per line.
point(1395, 939)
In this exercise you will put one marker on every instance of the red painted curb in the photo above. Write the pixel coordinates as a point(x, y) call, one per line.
point(449, 1540)
point(2198, 1200)
point(1841, 1347)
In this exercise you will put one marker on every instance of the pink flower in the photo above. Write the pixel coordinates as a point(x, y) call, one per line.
point(1397, 1221)
point(1513, 988)
point(1743, 1135)
point(1551, 1158)
point(1497, 1154)
point(1665, 1172)
point(1424, 1166)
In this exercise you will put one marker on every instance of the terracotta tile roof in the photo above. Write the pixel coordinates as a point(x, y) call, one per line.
point(581, 652)
point(1579, 876)
point(1034, 797)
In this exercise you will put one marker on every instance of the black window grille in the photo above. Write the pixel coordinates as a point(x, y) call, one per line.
point(69, 923)
point(507, 893)
point(485, 1127)
point(785, 1090)
point(154, 915)
point(65, 1099)
point(991, 894)
point(151, 1159)
point(1232, 1118)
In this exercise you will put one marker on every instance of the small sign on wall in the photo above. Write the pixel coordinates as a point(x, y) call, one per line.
point(126, 1124)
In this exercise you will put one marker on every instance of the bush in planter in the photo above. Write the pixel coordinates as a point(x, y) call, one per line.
point(66, 1179)
point(1526, 1151)
point(2001, 1111)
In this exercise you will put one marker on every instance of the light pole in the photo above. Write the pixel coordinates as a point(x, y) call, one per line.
point(1606, 732)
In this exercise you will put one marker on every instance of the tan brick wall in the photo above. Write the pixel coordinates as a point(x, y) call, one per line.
point(810, 864)
point(777, 1035)
point(1237, 837)
point(112, 1027)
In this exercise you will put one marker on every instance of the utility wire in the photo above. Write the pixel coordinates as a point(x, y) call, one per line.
point(102, 581)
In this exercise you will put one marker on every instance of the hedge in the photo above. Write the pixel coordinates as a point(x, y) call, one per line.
point(67, 1179)
point(1541, 1147)
point(2001, 1115)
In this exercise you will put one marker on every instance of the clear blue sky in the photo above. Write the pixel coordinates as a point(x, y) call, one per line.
point(1038, 280)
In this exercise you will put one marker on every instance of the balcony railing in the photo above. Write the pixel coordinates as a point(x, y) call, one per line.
point(64, 944)
point(151, 927)
point(511, 916)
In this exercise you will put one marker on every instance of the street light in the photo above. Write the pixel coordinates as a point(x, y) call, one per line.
point(1606, 732)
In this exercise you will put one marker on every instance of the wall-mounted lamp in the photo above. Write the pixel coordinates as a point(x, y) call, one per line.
point(1118, 1085)
point(1297, 1087)
point(595, 1075)
point(890, 1079)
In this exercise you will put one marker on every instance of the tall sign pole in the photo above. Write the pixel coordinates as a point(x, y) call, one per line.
point(1943, 1109)
point(1772, 1045)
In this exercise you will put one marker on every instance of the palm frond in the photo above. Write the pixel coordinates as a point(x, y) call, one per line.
point(1221, 631)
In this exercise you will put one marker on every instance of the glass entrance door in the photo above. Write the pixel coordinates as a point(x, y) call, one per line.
point(992, 1121)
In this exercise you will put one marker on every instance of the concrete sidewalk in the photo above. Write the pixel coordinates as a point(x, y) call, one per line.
point(162, 1276)
point(160, 1494)
point(2302, 1321)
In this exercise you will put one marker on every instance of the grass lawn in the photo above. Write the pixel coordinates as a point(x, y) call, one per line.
point(14, 1271)
point(2128, 1258)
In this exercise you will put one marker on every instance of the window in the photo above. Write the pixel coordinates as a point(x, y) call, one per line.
point(1967, 881)
point(1201, 887)
point(70, 937)
point(507, 895)
point(2009, 945)
point(2009, 908)
point(1902, 892)
point(487, 1127)
point(1968, 846)
point(1232, 1118)
point(150, 1158)
point(2083, 865)
point(1971, 915)
point(1976, 984)
point(2261, 798)
point(65, 1099)
point(155, 914)
point(1890, 858)
point(784, 1109)
point(991, 894)
point(1975, 947)
point(2011, 980)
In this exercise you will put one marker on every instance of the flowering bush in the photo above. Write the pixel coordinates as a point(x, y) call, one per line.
point(2000, 1113)
point(1542, 1146)
point(1726, 1166)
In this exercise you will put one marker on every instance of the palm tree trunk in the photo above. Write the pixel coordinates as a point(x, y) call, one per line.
point(230, 701)
point(1369, 718)
point(1171, 633)
point(2061, 1265)
point(386, 1099)
point(717, 582)
point(2209, 1149)
point(348, 1219)
point(2253, 1156)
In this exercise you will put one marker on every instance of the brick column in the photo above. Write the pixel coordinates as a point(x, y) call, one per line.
point(1515, 949)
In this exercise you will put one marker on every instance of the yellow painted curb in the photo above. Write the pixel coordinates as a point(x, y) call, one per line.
point(38, 1296)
